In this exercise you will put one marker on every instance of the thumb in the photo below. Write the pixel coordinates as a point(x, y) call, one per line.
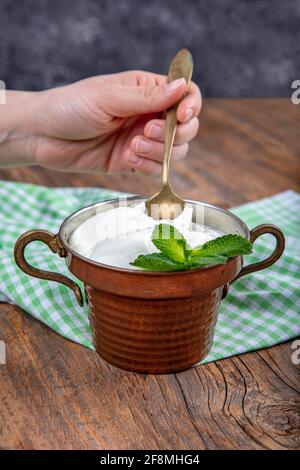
point(124, 101)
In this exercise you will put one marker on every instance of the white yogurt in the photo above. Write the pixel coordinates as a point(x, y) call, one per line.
point(118, 236)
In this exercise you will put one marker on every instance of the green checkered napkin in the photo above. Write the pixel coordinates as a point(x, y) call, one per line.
point(261, 309)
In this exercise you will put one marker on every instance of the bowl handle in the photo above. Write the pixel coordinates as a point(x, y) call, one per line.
point(280, 243)
point(53, 242)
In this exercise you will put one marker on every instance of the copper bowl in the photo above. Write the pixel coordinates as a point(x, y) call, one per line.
point(145, 321)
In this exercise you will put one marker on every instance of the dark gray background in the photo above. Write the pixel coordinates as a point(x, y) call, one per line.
point(241, 48)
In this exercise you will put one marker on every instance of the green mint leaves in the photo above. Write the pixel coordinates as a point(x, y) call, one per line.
point(158, 262)
point(170, 242)
point(176, 255)
point(228, 245)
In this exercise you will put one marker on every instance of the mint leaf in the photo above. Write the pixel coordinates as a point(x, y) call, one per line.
point(158, 262)
point(176, 255)
point(197, 261)
point(170, 242)
point(227, 245)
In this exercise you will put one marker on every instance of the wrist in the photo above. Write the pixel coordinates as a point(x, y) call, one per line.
point(18, 128)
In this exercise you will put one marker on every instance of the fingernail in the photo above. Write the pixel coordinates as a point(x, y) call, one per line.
point(155, 131)
point(173, 85)
point(143, 146)
point(133, 158)
point(188, 114)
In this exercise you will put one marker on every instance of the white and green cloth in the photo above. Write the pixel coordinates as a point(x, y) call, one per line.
point(261, 309)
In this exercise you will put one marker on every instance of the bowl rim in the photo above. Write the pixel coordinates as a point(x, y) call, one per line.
point(144, 272)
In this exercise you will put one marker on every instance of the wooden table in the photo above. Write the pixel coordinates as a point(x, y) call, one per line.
point(56, 394)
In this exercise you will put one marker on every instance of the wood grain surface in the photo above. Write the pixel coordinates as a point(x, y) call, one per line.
point(55, 394)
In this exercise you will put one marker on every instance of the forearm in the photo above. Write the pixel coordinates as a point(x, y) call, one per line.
point(18, 136)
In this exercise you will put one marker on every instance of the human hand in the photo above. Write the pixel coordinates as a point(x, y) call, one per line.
point(113, 123)
point(106, 123)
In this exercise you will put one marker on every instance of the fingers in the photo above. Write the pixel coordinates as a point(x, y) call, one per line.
point(154, 150)
point(190, 106)
point(149, 167)
point(148, 148)
point(136, 78)
point(124, 101)
point(149, 160)
point(155, 130)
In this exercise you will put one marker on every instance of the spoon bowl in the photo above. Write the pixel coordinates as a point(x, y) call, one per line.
point(166, 204)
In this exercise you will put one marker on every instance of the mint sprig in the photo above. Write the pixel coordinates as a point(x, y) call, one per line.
point(176, 255)
point(170, 242)
point(158, 262)
point(227, 245)
point(198, 260)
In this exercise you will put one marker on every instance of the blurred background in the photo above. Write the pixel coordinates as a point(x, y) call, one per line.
point(242, 48)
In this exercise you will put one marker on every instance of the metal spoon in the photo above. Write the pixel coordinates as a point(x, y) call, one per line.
point(166, 204)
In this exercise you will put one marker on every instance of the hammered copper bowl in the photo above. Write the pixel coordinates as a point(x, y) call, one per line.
point(147, 321)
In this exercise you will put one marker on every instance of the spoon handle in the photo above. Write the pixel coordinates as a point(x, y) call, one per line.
point(180, 67)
